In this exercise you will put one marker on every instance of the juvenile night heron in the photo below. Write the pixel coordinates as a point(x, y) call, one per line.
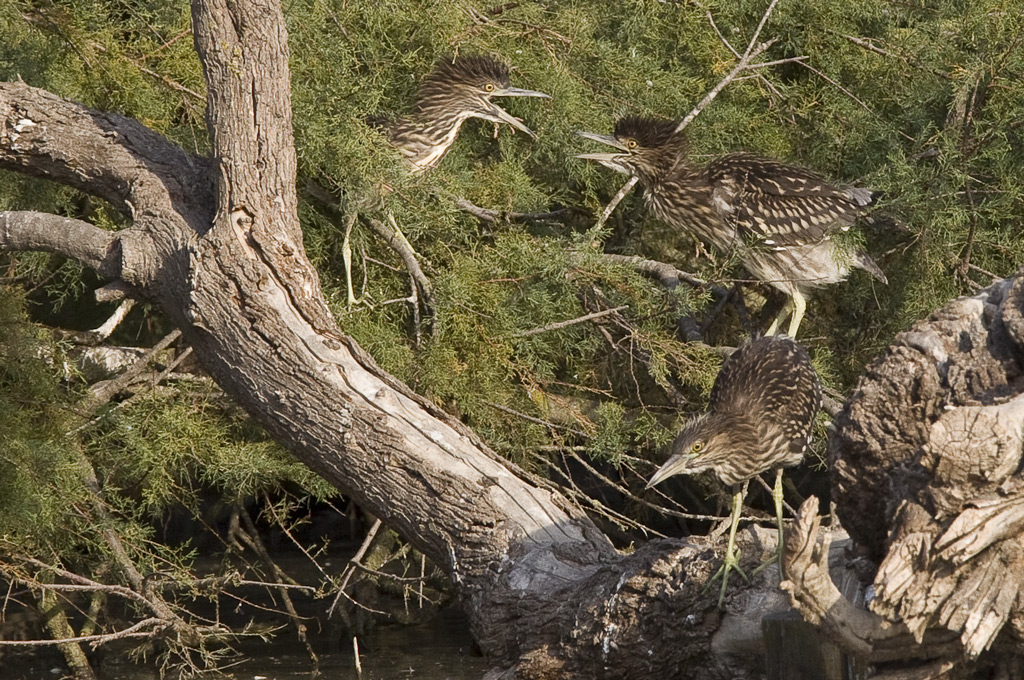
point(455, 91)
point(780, 219)
point(761, 410)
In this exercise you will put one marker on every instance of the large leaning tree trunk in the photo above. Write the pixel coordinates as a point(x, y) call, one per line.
point(215, 243)
point(927, 461)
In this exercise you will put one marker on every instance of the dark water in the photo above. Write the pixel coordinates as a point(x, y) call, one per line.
point(440, 650)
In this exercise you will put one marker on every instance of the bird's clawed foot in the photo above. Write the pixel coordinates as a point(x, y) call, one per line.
point(730, 562)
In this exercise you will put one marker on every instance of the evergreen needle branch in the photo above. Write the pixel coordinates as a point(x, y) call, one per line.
point(711, 20)
point(757, 33)
point(851, 96)
point(871, 47)
point(743, 65)
point(570, 322)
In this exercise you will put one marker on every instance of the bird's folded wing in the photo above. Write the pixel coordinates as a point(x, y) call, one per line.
point(778, 205)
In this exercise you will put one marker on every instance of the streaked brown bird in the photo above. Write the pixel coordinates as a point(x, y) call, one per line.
point(779, 218)
point(455, 91)
point(761, 410)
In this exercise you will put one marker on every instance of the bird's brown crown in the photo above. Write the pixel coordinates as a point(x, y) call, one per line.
point(477, 71)
point(650, 133)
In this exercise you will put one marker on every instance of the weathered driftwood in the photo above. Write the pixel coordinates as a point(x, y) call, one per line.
point(926, 469)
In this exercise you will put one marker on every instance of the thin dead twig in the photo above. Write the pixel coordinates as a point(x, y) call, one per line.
point(350, 569)
point(616, 199)
point(251, 535)
point(96, 640)
point(668, 275)
point(109, 390)
point(871, 47)
point(396, 241)
point(851, 96)
point(570, 322)
point(743, 65)
point(538, 421)
point(497, 216)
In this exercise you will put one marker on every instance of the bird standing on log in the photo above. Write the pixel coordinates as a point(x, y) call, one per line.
point(779, 218)
point(455, 91)
point(761, 410)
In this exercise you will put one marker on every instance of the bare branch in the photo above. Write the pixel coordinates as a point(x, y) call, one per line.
point(106, 391)
point(610, 208)
point(397, 241)
point(757, 32)
point(90, 245)
point(666, 274)
point(104, 330)
point(743, 65)
point(570, 322)
point(497, 216)
point(104, 154)
point(350, 569)
point(134, 631)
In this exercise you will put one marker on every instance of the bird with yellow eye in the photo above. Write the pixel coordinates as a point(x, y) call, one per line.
point(761, 410)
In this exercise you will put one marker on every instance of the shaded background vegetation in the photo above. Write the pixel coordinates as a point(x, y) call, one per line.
point(923, 101)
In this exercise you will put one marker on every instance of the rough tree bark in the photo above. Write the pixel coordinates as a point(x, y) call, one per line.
point(927, 477)
point(216, 245)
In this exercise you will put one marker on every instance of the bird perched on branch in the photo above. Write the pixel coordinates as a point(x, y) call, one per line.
point(455, 91)
point(760, 414)
point(779, 218)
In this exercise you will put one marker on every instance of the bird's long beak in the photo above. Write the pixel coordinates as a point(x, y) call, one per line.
point(500, 115)
point(519, 92)
point(678, 464)
point(610, 160)
point(603, 139)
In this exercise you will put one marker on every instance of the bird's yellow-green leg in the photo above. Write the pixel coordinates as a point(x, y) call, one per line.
point(777, 497)
point(731, 560)
point(777, 321)
point(799, 307)
point(794, 309)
